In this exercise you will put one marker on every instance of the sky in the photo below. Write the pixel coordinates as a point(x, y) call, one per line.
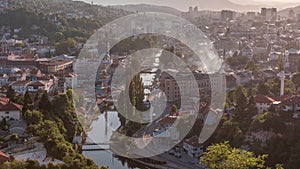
point(184, 4)
point(236, 1)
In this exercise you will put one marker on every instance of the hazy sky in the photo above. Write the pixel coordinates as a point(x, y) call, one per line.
point(184, 4)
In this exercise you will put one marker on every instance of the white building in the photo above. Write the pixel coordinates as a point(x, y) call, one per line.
point(11, 111)
point(20, 86)
point(71, 80)
point(292, 104)
point(263, 103)
point(166, 130)
point(41, 85)
point(4, 79)
point(192, 147)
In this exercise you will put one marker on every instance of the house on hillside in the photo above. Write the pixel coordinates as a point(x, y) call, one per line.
point(3, 157)
point(11, 111)
point(192, 147)
point(263, 103)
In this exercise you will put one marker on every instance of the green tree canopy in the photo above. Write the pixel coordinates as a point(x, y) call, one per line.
point(223, 156)
point(64, 47)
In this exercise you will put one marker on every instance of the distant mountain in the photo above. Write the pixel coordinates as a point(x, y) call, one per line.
point(285, 12)
point(148, 8)
point(183, 5)
point(224, 4)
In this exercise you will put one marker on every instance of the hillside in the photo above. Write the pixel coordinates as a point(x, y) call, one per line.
point(183, 5)
point(58, 20)
point(285, 12)
point(148, 8)
point(101, 13)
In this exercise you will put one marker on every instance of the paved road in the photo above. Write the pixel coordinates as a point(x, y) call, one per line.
point(185, 162)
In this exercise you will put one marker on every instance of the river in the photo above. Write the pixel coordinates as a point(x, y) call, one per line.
point(102, 129)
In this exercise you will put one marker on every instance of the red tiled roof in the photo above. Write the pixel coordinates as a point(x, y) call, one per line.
point(285, 97)
point(168, 120)
point(3, 156)
point(37, 83)
point(4, 99)
point(193, 141)
point(174, 114)
point(21, 83)
point(292, 101)
point(11, 107)
point(100, 101)
point(263, 99)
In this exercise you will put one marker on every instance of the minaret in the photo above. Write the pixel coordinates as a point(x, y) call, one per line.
point(282, 77)
point(286, 64)
point(4, 44)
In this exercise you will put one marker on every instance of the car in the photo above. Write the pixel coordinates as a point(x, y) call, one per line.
point(171, 152)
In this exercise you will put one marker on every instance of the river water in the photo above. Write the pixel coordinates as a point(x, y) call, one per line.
point(102, 129)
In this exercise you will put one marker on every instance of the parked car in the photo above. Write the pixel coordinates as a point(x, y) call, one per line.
point(172, 152)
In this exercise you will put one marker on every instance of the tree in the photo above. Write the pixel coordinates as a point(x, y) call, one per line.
point(241, 103)
point(263, 88)
point(251, 106)
point(174, 108)
point(27, 102)
point(294, 159)
point(33, 117)
point(136, 93)
point(4, 125)
point(45, 104)
point(245, 108)
point(10, 93)
point(65, 46)
point(299, 65)
point(252, 67)
point(296, 79)
point(223, 156)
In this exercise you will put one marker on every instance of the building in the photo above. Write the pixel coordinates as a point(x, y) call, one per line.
point(227, 15)
point(263, 103)
point(274, 56)
point(298, 17)
point(247, 51)
point(11, 111)
point(4, 79)
point(192, 147)
point(185, 86)
point(55, 65)
point(71, 80)
point(20, 86)
point(41, 85)
point(231, 81)
point(243, 77)
point(165, 128)
point(194, 14)
point(291, 14)
point(269, 14)
point(292, 103)
point(3, 157)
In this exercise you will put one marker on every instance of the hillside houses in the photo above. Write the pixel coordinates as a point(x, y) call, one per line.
point(9, 110)
point(290, 102)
